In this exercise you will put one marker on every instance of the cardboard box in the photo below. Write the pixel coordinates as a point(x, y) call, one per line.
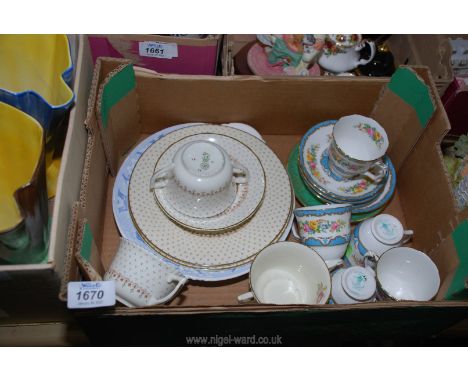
point(194, 55)
point(28, 292)
point(433, 51)
point(282, 109)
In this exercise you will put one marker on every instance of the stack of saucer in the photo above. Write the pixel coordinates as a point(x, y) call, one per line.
point(206, 198)
point(333, 164)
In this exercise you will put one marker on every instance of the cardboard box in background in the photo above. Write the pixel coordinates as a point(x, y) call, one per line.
point(28, 292)
point(433, 51)
point(423, 201)
point(194, 55)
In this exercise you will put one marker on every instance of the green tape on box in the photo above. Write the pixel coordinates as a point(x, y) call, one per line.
point(87, 243)
point(122, 83)
point(457, 290)
point(411, 89)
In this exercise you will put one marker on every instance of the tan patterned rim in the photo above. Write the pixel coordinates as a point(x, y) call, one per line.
point(221, 266)
point(220, 230)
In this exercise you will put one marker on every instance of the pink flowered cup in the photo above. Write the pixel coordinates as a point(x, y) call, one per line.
point(325, 228)
point(357, 147)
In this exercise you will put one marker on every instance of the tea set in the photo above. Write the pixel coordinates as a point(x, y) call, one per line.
point(213, 202)
point(305, 54)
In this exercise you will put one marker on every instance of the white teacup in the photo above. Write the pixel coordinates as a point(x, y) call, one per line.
point(141, 278)
point(289, 273)
point(378, 235)
point(357, 147)
point(325, 228)
point(405, 274)
point(354, 285)
point(201, 180)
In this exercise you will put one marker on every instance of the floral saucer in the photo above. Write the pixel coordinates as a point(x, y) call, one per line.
point(128, 230)
point(307, 197)
point(216, 252)
point(248, 198)
point(313, 161)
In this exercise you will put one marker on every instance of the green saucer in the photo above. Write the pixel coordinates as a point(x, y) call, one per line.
point(303, 194)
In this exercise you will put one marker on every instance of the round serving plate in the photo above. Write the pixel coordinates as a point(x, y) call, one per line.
point(249, 195)
point(219, 251)
point(125, 223)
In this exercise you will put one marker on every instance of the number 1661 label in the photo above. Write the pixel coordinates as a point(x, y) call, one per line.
point(90, 294)
point(158, 49)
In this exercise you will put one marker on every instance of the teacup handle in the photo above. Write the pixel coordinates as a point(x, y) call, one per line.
point(240, 174)
point(161, 177)
point(294, 232)
point(332, 264)
point(407, 235)
point(382, 169)
point(370, 261)
point(245, 297)
point(170, 278)
point(371, 44)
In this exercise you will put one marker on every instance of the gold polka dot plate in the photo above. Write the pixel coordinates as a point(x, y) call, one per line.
point(249, 195)
point(218, 251)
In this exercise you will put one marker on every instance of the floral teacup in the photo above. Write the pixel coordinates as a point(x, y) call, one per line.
point(357, 146)
point(325, 228)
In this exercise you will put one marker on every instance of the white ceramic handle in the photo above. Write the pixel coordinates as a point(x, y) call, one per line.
point(245, 297)
point(372, 54)
point(294, 232)
point(381, 172)
point(170, 278)
point(161, 177)
point(370, 261)
point(332, 264)
point(407, 235)
point(240, 174)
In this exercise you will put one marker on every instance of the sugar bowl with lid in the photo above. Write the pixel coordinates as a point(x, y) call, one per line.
point(201, 180)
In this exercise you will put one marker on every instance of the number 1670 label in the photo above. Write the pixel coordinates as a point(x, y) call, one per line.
point(90, 294)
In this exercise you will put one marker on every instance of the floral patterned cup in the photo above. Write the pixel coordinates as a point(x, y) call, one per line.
point(325, 228)
point(357, 146)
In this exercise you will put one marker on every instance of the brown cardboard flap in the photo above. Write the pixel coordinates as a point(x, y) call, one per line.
point(401, 117)
point(86, 252)
point(94, 185)
point(447, 264)
point(71, 272)
point(102, 68)
point(427, 196)
point(117, 114)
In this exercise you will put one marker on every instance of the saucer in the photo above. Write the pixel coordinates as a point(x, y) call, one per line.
point(128, 230)
point(259, 65)
point(377, 201)
point(303, 193)
point(249, 195)
point(218, 251)
point(313, 161)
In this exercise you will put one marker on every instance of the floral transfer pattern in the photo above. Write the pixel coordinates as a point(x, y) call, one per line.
point(323, 226)
point(357, 188)
point(321, 289)
point(341, 44)
point(312, 161)
point(372, 133)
